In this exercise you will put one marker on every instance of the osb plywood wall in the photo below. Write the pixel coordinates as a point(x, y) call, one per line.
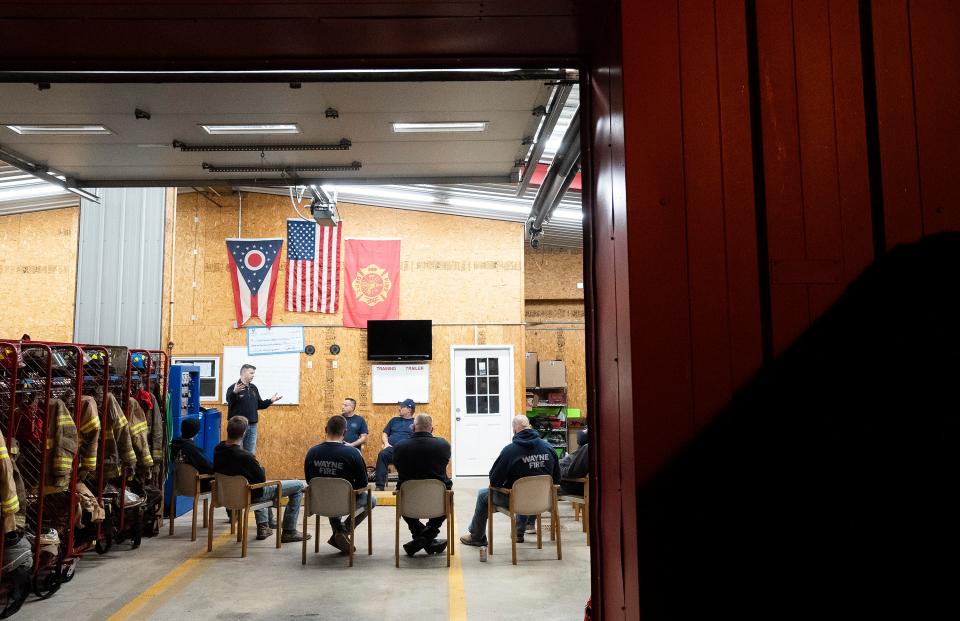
point(465, 274)
point(552, 273)
point(554, 314)
point(38, 273)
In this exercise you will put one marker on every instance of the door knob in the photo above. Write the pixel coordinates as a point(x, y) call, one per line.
point(458, 418)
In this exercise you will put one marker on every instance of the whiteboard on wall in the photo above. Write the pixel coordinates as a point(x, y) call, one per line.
point(275, 373)
point(395, 382)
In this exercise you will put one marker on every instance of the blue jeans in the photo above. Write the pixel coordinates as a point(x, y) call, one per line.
point(478, 525)
point(342, 525)
point(250, 439)
point(290, 489)
point(250, 446)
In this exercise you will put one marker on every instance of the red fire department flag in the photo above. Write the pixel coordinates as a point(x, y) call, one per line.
point(372, 288)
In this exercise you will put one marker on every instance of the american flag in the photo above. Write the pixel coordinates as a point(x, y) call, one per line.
point(313, 267)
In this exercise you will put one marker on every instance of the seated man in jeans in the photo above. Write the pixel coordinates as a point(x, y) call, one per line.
point(526, 456)
point(334, 458)
point(229, 458)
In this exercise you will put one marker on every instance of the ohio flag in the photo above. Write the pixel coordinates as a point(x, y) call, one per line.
point(253, 272)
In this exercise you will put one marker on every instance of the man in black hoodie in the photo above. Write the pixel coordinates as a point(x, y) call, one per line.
point(526, 456)
point(575, 465)
point(334, 458)
point(183, 450)
point(229, 458)
point(423, 456)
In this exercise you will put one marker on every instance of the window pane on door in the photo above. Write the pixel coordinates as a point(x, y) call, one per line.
point(481, 366)
point(482, 405)
point(471, 385)
point(481, 386)
point(494, 385)
point(494, 405)
point(471, 405)
point(494, 367)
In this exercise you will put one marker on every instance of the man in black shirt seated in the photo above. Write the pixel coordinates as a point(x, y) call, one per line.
point(229, 458)
point(183, 450)
point(527, 455)
point(336, 459)
point(575, 465)
point(423, 457)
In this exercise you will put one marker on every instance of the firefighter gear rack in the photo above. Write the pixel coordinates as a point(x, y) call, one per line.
point(82, 462)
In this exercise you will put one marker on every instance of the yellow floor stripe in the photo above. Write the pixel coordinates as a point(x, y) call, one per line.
point(176, 574)
point(457, 604)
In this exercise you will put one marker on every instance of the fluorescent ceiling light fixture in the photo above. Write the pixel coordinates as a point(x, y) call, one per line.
point(252, 128)
point(459, 126)
point(59, 130)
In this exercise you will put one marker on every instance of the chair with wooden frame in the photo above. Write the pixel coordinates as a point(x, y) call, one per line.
point(187, 482)
point(330, 497)
point(423, 499)
point(581, 505)
point(529, 496)
point(234, 493)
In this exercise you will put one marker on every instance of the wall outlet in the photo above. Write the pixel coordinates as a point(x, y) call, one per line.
point(309, 364)
point(334, 364)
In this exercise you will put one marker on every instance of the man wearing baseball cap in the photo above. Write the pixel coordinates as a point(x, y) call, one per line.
point(399, 428)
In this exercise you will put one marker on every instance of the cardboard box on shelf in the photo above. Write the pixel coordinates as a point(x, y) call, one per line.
point(553, 374)
point(531, 370)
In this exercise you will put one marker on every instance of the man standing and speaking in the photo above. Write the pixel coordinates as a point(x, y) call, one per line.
point(243, 399)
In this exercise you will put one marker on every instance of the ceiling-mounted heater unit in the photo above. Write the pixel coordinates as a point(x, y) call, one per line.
point(323, 207)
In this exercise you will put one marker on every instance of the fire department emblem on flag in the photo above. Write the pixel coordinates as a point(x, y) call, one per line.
point(372, 284)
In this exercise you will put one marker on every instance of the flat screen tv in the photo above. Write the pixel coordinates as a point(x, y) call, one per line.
point(399, 340)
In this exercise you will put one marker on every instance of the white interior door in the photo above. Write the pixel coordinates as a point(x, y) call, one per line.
point(482, 404)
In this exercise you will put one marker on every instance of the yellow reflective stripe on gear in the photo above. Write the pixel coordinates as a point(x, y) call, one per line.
point(63, 461)
point(138, 428)
point(3, 452)
point(12, 505)
point(63, 419)
point(109, 434)
point(90, 425)
point(132, 454)
point(10, 501)
point(122, 421)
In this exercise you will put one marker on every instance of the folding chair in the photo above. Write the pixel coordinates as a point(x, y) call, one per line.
point(330, 497)
point(234, 493)
point(423, 499)
point(581, 505)
point(529, 496)
point(186, 482)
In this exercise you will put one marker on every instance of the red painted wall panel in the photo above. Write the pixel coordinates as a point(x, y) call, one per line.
point(902, 209)
point(656, 226)
point(935, 46)
point(818, 210)
point(740, 224)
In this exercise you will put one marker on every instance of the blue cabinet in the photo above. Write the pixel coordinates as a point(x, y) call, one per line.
point(184, 393)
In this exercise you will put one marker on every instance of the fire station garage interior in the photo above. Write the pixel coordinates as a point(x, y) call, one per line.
point(479, 310)
point(385, 242)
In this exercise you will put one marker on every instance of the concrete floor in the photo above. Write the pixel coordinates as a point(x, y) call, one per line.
point(170, 578)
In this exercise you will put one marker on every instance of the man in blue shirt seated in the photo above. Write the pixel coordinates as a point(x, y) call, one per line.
point(357, 432)
point(526, 456)
point(399, 428)
point(336, 459)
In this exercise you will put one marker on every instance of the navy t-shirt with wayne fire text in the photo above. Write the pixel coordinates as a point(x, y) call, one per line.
point(356, 427)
